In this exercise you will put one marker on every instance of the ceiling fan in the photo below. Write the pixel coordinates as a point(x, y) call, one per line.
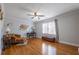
point(35, 15)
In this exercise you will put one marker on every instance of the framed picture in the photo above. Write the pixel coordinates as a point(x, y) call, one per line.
point(23, 26)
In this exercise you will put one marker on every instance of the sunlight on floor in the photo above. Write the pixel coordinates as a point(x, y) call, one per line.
point(47, 49)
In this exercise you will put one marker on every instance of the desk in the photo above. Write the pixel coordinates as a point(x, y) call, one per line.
point(31, 35)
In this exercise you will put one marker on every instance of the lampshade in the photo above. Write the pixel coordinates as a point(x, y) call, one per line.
point(8, 29)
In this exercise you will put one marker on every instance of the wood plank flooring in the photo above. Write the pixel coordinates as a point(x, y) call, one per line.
point(41, 47)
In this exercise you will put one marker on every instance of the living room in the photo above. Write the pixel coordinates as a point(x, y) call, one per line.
point(49, 27)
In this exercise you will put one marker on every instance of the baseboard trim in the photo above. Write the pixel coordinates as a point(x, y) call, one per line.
point(69, 43)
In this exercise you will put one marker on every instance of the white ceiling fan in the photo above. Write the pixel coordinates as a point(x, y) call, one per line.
point(35, 15)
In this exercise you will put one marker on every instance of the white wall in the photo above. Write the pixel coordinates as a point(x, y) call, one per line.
point(15, 23)
point(68, 25)
point(38, 29)
point(1, 26)
point(0, 35)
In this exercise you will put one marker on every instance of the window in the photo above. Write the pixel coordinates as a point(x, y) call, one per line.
point(49, 28)
point(45, 28)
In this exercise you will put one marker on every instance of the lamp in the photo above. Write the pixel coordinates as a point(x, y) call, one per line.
point(8, 29)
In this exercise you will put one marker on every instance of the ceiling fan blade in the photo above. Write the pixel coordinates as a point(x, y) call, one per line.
point(30, 15)
point(25, 9)
point(41, 15)
point(38, 17)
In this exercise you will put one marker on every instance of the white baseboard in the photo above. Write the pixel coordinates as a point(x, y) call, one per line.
point(77, 45)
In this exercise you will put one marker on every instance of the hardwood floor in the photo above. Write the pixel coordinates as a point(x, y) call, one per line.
point(41, 47)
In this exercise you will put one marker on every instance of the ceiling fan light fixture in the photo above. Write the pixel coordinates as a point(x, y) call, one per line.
point(35, 16)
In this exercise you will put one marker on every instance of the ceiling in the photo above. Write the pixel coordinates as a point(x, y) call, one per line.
point(20, 10)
